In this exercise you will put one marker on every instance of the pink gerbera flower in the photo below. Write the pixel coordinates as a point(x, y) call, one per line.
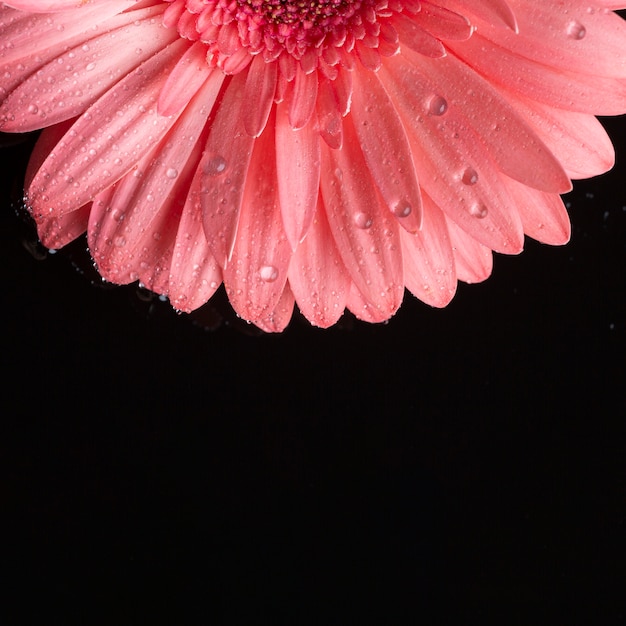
point(327, 153)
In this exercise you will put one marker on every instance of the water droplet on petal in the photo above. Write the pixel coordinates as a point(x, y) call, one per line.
point(575, 30)
point(479, 210)
point(437, 105)
point(171, 173)
point(402, 209)
point(470, 176)
point(362, 220)
point(215, 166)
point(268, 273)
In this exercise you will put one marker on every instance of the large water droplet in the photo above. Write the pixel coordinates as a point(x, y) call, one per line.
point(362, 220)
point(215, 166)
point(575, 30)
point(402, 209)
point(479, 210)
point(470, 176)
point(171, 173)
point(268, 273)
point(437, 105)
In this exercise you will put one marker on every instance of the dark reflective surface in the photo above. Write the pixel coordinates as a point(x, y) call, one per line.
point(447, 467)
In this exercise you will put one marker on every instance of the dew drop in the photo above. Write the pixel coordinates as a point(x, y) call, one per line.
point(437, 105)
point(362, 220)
point(479, 210)
point(33, 108)
point(215, 166)
point(171, 173)
point(470, 176)
point(268, 273)
point(402, 209)
point(575, 30)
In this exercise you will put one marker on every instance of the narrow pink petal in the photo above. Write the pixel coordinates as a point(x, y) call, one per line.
point(256, 275)
point(578, 140)
point(188, 75)
point(298, 161)
point(221, 176)
point(50, 95)
point(365, 232)
point(429, 272)
point(107, 141)
point(459, 176)
point(329, 115)
point(472, 260)
point(416, 38)
point(386, 149)
point(588, 41)
point(42, 6)
point(342, 86)
point(317, 275)
point(562, 89)
point(444, 24)
point(511, 142)
point(363, 309)
point(132, 236)
point(543, 215)
point(46, 35)
point(278, 319)
point(195, 275)
point(258, 95)
point(56, 232)
point(302, 98)
point(488, 11)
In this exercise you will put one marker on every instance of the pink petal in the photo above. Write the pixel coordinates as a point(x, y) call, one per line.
point(191, 71)
point(107, 141)
point(566, 36)
point(278, 319)
point(221, 176)
point(363, 309)
point(429, 272)
point(459, 176)
point(443, 23)
point(543, 214)
point(132, 235)
point(317, 275)
point(413, 37)
point(54, 231)
point(256, 275)
point(578, 140)
point(41, 6)
point(329, 116)
point(195, 275)
point(302, 98)
point(366, 233)
point(562, 89)
point(298, 161)
point(48, 35)
point(50, 95)
point(497, 12)
point(260, 88)
point(472, 260)
point(386, 149)
point(512, 144)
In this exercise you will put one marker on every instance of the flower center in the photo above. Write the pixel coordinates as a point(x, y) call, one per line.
point(316, 33)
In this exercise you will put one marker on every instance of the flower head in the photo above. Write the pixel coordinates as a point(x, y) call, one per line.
point(324, 153)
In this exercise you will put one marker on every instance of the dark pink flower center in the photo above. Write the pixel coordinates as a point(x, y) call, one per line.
point(316, 33)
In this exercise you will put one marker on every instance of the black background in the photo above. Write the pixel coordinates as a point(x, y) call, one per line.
point(448, 467)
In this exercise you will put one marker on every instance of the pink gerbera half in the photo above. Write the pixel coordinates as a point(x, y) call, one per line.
point(324, 153)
